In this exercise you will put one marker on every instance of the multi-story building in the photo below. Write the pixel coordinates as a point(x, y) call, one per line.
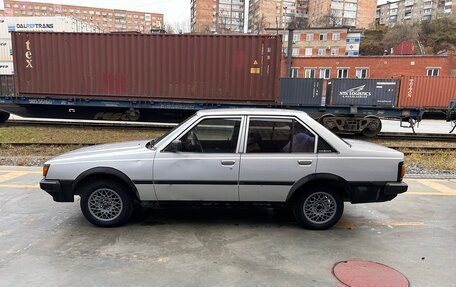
point(278, 14)
point(322, 42)
point(412, 11)
point(352, 13)
point(106, 19)
point(374, 67)
point(217, 16)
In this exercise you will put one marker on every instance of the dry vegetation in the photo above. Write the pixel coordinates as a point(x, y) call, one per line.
point(36, 154)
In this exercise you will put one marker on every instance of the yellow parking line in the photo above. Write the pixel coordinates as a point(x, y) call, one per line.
point(19, 185)
point(21, 170)
point(11, 175)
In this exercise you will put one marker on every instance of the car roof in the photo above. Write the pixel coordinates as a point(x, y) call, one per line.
point(251, 111)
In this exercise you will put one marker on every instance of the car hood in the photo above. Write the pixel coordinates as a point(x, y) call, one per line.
point(113, 150)
point(370, 149)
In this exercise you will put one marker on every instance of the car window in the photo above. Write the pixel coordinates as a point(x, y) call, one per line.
point(211, 136)
point(279, 136)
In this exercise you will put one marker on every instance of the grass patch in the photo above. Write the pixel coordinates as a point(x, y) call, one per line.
point(439, 160)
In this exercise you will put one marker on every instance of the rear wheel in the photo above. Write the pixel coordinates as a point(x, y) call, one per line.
point(318, 208)
point(106, 204)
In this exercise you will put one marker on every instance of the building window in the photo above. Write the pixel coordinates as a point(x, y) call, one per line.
point(321, 51)
point(361, 73)
point(336, 36)
point(309, 73)
point(325, 73)
point(296, 37)
point(285, 36)
point(294, 72)
point(342, 73)
point(309, 51)
point(323, 36)
point(335, 51)
point(432, 72)
point(309, 37)
point(295, 52)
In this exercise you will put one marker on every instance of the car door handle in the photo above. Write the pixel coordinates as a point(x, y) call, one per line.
point(228, 162)
point(304, 162)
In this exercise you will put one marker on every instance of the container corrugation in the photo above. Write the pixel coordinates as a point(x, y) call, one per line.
point(179, 67)
point(6, 68)
point(301, 91)
point(6, 85)
point(427, 92)
point(6, 50)
point(364, 92)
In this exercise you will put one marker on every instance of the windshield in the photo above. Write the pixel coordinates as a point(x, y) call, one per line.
point(153, 142)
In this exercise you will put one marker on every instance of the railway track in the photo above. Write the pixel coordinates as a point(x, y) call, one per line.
point(406, 150)
point(165, 126)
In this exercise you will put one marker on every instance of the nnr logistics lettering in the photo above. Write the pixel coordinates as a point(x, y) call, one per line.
point(35, 26)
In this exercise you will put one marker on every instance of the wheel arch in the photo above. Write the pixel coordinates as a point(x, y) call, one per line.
point(105, 172)
point(326, 179)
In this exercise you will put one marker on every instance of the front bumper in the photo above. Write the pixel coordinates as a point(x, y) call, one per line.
point(61, 191)
point(364, 192)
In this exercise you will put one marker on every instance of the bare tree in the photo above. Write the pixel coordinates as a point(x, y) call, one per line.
point(400, 33)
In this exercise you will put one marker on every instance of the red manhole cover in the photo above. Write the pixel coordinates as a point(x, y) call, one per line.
point(359, 273)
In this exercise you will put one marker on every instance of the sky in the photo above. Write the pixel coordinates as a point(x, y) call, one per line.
point(175, 11)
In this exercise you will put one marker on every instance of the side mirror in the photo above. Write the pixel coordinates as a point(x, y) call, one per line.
point(174, 146)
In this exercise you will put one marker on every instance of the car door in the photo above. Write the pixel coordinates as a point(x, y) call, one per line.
point(202, 163)
point(278, 152)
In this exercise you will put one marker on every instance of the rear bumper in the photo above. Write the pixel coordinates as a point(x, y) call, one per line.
point(60, 191)
point(364, 192)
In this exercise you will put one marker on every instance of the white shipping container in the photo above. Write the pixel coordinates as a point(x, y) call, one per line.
point(44, 24)
point(6, 68)
point(6, 50)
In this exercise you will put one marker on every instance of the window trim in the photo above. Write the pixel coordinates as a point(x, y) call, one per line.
point(433, 68)
point(362, 68)
point(297, 74)
point(325, 68)
point(343, 68)
point(187, 129)
point(266, 117)
point(309, 68)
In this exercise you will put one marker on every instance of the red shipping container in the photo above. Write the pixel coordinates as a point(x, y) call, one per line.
point(404, 48)
point(426, 92)
point(156, 67)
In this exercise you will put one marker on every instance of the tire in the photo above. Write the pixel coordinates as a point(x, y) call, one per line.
point(113, 206)
point(327, 200)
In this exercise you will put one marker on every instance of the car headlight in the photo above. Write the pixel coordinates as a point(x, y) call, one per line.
point(45, 169)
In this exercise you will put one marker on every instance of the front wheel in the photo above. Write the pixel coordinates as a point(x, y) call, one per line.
point(318, 208)
point(106, 204)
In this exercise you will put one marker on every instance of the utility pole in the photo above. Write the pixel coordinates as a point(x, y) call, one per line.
point(289, 49)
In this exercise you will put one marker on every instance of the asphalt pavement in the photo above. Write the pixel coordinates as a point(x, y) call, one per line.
point(44, 243)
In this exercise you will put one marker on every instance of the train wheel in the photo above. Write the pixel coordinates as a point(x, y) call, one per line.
point(329, 122)
point(4, 116)
point(373, 128)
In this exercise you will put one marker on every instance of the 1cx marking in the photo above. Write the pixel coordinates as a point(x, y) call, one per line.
point(28, 55)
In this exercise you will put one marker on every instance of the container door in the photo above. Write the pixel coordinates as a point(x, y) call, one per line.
point(279, 152)
point(202, 164)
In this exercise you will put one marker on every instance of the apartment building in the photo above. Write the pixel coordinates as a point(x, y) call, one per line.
point(412, 11)
point(217, 16)
point(106, 19)
point(352, 13)
point(322, 42)
point(278, 14)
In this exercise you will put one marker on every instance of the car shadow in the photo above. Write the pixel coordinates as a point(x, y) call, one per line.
point(259, 216)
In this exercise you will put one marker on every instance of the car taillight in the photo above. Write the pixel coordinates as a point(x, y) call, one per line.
point(45, 169)
point(401, 171)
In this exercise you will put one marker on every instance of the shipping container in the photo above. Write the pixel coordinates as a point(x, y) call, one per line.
point(44, 24)
point(404, 48)
point(301, 91)
point(364, 92)
point(127, 66)
point(6, 50)
point(6, 85)
point(6, 68)
point(427, 92)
